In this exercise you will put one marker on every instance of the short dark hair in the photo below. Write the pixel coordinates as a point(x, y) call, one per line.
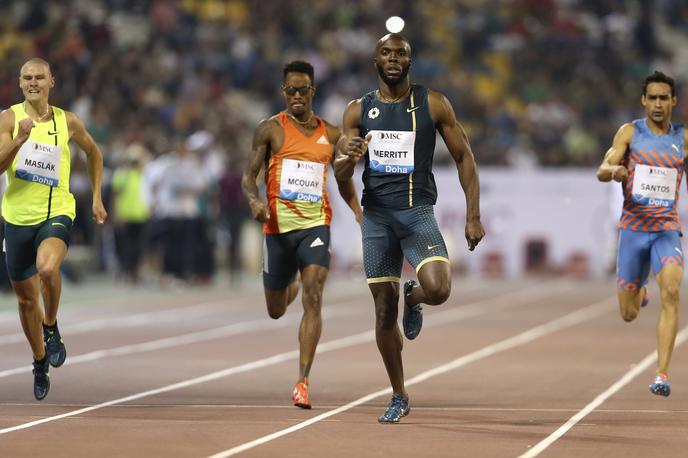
point(299, 66)
point(659, 77)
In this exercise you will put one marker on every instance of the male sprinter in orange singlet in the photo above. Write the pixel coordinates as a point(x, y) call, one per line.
point(296, 147)
point(39, 209)
point(648, 157)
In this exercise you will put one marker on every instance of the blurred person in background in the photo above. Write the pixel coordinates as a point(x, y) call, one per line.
point(295, 147)
point(132, 212)
point(234, 213)
point(394, 127)
point(39, 209)
point(648, 158)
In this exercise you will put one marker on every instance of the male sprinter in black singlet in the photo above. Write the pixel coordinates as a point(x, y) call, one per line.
point(394, 127)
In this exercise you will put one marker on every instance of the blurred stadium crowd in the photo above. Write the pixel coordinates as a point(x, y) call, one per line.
point(172, 89)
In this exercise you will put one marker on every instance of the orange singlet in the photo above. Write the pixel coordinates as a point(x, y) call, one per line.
point(296, 180)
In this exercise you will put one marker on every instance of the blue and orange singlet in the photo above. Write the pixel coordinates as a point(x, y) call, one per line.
point(655, 165)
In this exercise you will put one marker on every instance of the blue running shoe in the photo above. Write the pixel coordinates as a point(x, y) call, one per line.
point(661, 386)
point(398, 407)
point(413, 314)
point(54, 347)
point(41, 378)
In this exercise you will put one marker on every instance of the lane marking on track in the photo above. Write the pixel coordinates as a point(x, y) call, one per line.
point(577, 317)
point(526, 295)
point(458, 313)
point(601, 398)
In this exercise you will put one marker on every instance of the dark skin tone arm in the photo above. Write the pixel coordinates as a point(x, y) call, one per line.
point(456, 140)
point(350, 147)
point(345, 185)
point(267, 138)
point(260, 152)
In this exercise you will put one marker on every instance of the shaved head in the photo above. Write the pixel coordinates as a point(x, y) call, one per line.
point(393, 36)
point(36, 61)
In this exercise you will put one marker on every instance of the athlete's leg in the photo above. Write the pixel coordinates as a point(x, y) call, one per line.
point(281, 279)
point(669, 280)
point(667, 259)
point(434, 286)
point(30, 313)
point(313, 278)
point(51, 253)
point(278, 300)
point(632, 269)
point(387, 333)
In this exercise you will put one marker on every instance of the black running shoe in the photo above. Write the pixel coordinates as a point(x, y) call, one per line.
point(54, 347)
point(41, 378)
point(413, 314)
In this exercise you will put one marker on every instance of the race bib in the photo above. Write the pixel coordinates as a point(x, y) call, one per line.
point(39, 163)
point(654, 186)
point(302, 180)
point(391, 151)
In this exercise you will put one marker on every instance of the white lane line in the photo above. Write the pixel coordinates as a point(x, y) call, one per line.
point(623, 381)
point(555, 325)
point(185, 339)
point(163, 316)
point(470, 310)
point(524, 296)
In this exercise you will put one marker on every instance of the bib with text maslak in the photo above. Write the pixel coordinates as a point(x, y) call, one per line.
point(654, 186)
point(392, 151)
point(39, 163)
point(301, 180)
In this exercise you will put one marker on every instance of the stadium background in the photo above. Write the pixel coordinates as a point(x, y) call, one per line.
point(540, 86)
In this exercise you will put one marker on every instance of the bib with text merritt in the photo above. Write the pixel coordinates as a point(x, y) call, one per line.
point(39, 163)
point(391, 151)
point(654, 186)
point(302, 180)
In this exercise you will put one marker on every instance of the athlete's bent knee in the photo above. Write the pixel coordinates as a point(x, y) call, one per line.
point(47, 271)
point(437, 295)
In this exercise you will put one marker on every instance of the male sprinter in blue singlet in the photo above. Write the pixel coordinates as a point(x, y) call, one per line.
point(394, 127)
point(648, 157)
point(39, 209)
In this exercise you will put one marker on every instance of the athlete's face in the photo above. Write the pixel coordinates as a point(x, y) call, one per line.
point(35, 81)
point(658, 102)
point(298, 92)
point(393, 60)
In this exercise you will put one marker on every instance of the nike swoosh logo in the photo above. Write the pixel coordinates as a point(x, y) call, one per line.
point(675, 147)
point(53, 133)
point(432, 247)
point(679, 251)
point(58, 224)
point(412, 109)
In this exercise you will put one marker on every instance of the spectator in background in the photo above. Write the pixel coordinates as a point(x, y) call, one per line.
point(132, 212)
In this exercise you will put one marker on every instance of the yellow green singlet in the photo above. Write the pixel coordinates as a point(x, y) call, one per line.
point(26, 203)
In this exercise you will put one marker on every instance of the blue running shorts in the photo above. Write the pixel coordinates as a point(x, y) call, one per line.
point(638, 251)
point(389, 235)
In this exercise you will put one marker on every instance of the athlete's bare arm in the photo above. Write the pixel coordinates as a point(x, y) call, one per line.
point(346, 186)
point(94, 157)
point(10, 146)
point(456, 140)
point(350, 147)
point(259, 153)
point(610, 168)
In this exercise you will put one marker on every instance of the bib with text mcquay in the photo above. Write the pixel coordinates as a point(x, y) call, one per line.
point(39, 163)
point(391, 151)
point(654, 186)
point(302, 180)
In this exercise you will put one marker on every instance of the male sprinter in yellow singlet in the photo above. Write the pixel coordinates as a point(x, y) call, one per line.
point(39, 209)
point(296, 147)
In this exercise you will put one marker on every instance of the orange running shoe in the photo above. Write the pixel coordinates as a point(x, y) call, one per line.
point(300, 395)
